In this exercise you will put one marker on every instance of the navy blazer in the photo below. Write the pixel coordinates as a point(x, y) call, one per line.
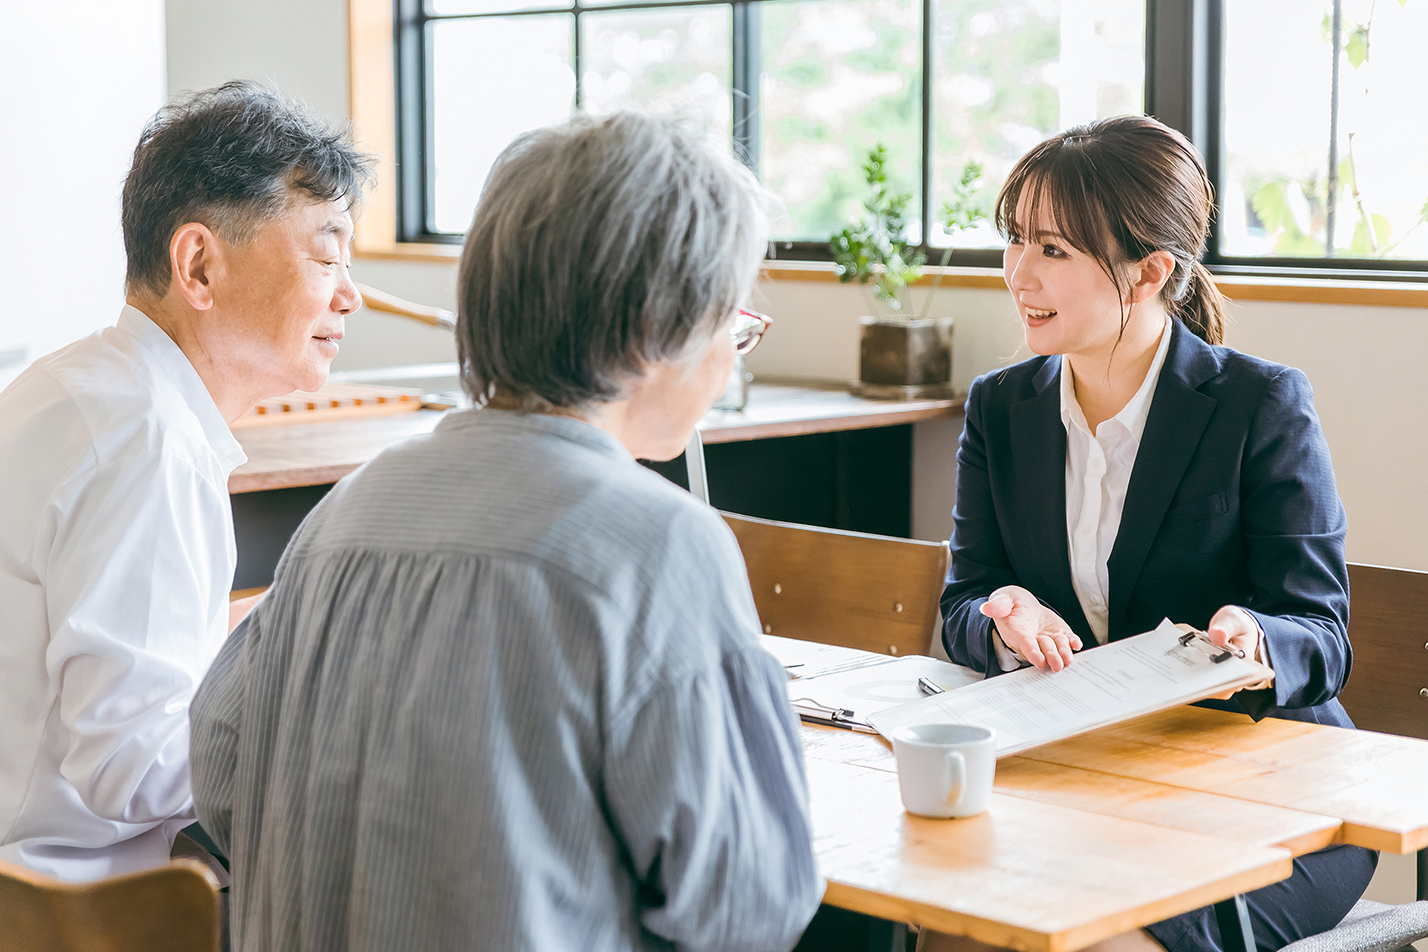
point(1231, 501)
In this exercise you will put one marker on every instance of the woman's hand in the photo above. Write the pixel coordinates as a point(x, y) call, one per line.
point(1234, 627)
point(1031, 629)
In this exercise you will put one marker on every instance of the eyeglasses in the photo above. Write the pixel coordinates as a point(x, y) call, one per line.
point(749, 327)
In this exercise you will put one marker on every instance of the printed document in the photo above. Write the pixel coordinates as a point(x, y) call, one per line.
point(1106, 685)
point(810, 659)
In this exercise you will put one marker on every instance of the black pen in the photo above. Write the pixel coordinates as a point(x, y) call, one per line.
point(928, 686)
point(845, 722)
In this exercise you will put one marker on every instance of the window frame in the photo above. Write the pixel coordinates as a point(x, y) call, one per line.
point(1184, 46)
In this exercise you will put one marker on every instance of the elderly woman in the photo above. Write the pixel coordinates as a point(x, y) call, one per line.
point(506, 691)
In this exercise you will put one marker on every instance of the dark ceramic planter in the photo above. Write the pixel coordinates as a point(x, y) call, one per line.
point(902, 360)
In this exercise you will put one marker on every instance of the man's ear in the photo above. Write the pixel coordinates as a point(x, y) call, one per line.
point(195, 256)
point(1150, 274)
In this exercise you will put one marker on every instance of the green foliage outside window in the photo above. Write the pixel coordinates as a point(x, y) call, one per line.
point(1302, 230)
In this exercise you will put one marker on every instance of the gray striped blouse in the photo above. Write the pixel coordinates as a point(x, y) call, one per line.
point(506, 693)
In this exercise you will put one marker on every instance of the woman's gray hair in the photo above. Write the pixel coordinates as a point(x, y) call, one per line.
point(601, 245)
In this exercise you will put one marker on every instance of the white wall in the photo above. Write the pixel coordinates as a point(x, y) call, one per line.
point(80, 80)
point(1364, 365)
point(300, 46)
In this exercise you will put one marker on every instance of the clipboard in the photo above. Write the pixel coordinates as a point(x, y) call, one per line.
point(1129, 678)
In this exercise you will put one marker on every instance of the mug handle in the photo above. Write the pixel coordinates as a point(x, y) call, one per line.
point(956, 775)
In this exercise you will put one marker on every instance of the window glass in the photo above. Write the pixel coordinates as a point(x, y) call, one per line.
point(442, 8)
point(1009, 73)
point(476, 65)
point(1277, 195)
point(666, 60)
point(838, 77)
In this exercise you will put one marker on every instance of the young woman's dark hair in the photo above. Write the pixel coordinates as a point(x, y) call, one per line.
point(1119, 189)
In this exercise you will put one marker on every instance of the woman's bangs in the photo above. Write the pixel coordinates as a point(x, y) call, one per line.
point(1050, 189)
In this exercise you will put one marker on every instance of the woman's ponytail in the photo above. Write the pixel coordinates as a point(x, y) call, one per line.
point(1202, 308)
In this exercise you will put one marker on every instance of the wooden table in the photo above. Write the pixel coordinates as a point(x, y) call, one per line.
point(315, 454)
point(1375, 784)
point(1111, 831)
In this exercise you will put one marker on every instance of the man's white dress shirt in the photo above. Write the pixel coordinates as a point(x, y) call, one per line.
point(116, 560)
point(1098, 472)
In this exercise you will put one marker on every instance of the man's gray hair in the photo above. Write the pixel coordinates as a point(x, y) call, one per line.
point(231, 157)
point(599, 245)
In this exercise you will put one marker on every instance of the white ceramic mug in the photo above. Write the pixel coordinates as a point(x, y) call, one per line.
point(945, 770)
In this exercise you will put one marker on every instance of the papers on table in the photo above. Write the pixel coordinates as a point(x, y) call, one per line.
point(845, 685)
point(809, 659)
point(1112, 683)
point(867, 690)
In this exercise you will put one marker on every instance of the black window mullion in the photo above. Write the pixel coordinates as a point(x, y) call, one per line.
point(928, 69)
point(1209, 85)
point(577, 53)
point(1177, 34)
point(414, 128)
point(747, 65)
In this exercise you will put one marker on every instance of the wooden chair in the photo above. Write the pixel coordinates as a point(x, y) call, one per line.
point(1388, 692)
point(1388, 628)
point(174, 908)
point(843, 588)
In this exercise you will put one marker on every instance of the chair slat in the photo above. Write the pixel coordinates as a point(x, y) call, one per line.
point(843, 588)
point(174, 908)
point(1388, 628)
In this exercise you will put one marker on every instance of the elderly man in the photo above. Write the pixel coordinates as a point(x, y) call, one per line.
point(521, 703)
point(116, 537)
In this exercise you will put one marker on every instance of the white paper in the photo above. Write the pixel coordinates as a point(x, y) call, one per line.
point(872, 688)
point(1106, 685)
point(809, 659)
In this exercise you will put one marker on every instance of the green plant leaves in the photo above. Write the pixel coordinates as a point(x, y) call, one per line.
point(1356, 43)
point(1275, 211)
point(875, 250)
point(1356, 47)
point(1362, 245)
point(964, 209)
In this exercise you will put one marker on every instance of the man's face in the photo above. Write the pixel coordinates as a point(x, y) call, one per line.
point(278, 310)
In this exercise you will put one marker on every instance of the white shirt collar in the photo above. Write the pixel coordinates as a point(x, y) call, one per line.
point(1134, 414)
point(179, 369)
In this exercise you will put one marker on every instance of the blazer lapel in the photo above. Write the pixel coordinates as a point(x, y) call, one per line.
point(1178, 416)
point(1038, 441)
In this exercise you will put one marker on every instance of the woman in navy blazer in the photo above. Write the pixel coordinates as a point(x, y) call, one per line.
point(1229, 519)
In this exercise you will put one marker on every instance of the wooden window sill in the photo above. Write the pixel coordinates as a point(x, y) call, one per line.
point(1324, 291)
point(430, 252)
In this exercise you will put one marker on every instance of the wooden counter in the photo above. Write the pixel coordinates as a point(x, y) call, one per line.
point(315, 454)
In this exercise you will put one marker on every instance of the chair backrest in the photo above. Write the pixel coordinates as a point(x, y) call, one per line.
point(1388, 627)
point(172, 908)
point(843, 588)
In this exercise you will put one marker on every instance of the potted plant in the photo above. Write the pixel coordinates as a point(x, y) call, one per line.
point(902, 355)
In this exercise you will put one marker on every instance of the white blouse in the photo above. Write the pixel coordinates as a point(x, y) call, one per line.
point(1098, 471)
point(116, 558)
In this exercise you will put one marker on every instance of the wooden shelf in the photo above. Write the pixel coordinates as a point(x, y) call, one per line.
point(315, 454)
